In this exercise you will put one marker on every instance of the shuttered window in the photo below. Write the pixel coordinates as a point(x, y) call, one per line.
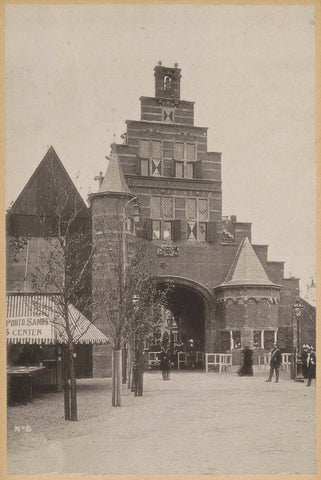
point(191, 208)
point(190, 152)
point(156, 149)
point(185, 157)
point(179, 151)
point(150, 153)
point(155, 207)
point(144, 148)
point(144, 167)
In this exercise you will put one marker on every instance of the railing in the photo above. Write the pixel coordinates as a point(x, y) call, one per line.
point(264, 359)
point(153, 360)
point(183, 358)
point(222, 360)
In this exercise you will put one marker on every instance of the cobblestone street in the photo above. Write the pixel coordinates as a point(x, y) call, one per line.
point(196, 423)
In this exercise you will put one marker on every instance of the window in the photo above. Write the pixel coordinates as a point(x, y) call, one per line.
point(235, 340)
point(167, 83)
point(257, 339)
point(144, 148)
point(196, 215)
point(150, 153)
point(269, 339)
point(156, 229)
point(162, 214)
point(144, 167)
point(184, 156)
point(167, 230)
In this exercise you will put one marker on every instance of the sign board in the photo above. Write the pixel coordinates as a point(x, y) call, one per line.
point(29, 329)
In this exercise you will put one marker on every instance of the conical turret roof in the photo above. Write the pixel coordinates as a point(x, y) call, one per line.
point(114, 180)
point(246, 268)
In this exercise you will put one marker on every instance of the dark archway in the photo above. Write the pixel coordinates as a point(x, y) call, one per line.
point(191, 306)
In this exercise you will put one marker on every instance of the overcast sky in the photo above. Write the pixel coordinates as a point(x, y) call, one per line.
point(74, 75)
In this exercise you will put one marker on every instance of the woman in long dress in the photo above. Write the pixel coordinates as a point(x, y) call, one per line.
point(246, 369)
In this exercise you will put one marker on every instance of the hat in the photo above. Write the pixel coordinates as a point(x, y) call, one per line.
point(191, 340)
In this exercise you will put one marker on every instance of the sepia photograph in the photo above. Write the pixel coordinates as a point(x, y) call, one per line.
point(160, 226)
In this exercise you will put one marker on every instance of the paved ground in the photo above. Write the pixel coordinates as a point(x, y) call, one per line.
point(196, 423)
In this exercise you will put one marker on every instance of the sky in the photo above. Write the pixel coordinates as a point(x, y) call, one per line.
point(74, 75)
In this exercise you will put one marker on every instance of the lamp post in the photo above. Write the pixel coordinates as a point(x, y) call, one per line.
point(124, 252)
point(296, 354)
point(135, 380)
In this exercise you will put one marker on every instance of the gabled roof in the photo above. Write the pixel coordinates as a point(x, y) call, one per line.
point(114, 180)
point(246, 268)
point(40, 192)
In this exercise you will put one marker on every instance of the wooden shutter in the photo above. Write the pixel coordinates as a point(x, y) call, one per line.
point(211, 232)
point(179, 228)
point(176, 230)
point(198, 170)
point(148, 229)
point(138, 166)
point(143, 227)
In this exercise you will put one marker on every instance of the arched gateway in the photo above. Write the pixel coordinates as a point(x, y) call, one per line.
point(193, 311)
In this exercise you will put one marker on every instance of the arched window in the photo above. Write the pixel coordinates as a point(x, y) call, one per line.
point(167, 83)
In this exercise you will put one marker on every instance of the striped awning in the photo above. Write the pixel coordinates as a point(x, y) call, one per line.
point(33, 318)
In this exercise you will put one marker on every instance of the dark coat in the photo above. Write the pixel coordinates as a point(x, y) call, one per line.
point(246, 369)
point(311, 365)
point(276, 358)
point(165, 362)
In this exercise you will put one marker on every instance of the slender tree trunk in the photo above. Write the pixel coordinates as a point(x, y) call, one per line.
point(130, 366)
point(73, 385)
point(65, 374)
point(135, 374)
point(117, 378)
point(140, 373)
point(124, 359)
point(113, 376)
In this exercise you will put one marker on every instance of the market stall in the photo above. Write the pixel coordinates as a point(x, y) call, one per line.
point(36, 341)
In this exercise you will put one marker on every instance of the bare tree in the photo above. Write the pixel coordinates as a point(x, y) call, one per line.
point(123, 274)
point(64, 268)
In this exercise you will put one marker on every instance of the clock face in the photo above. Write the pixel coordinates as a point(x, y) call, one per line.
point(168, 115)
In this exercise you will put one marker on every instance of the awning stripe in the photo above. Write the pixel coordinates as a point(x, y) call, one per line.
point(33, 318)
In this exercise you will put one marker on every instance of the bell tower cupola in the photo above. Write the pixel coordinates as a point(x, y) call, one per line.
point(167, 81)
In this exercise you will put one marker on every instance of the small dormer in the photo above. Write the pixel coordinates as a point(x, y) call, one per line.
point(167, 81)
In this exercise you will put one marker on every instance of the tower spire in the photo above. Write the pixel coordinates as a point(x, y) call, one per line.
point(114, 180)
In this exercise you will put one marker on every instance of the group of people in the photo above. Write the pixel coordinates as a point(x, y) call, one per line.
point(308, 359)
point(166, 357)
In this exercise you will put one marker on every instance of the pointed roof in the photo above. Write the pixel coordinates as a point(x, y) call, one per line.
point(246, 268)
point(42, 188)
point(114, 180)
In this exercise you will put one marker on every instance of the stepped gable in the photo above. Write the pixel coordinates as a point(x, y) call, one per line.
point(246, 268)
point(114, 180)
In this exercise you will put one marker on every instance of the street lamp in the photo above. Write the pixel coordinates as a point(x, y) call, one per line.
point(135, 381)
point(296, 355)
point(124, 252)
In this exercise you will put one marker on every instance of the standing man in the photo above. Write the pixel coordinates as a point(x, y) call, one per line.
point(165, 365)
point(311, 365)
point(304, 358)
point(275, 363)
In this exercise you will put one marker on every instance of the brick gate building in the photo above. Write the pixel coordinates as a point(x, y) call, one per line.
point(227, 293)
